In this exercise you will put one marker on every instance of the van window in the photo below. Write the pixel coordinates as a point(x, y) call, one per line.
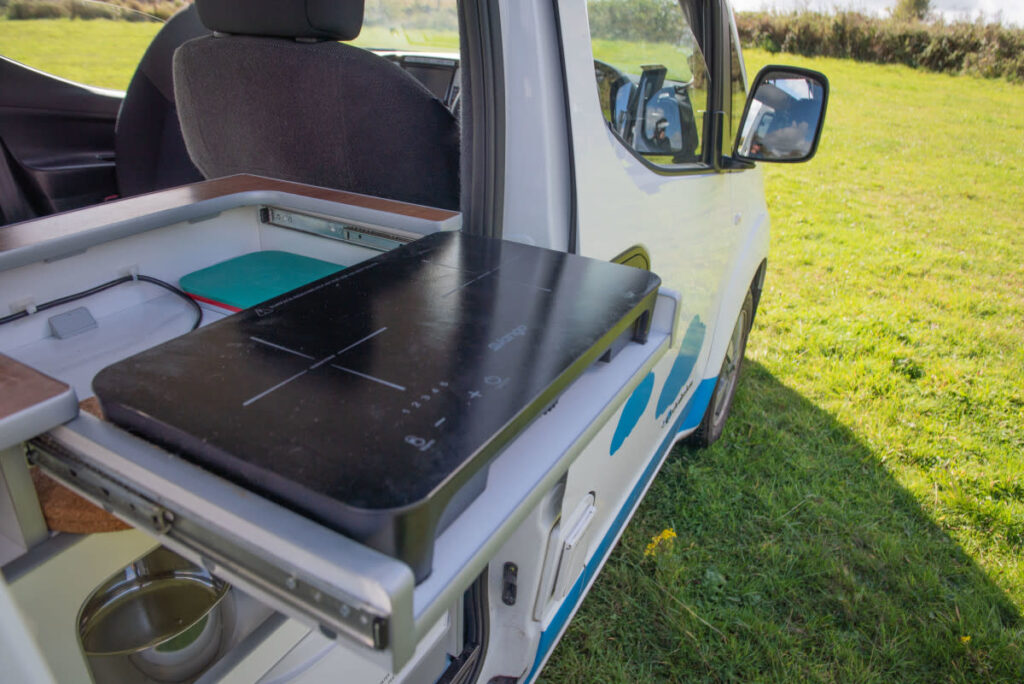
point(95, 43)
point(100, 44)
point(410, 26)
point(652, 78)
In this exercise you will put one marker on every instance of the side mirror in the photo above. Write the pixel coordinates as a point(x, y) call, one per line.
point(665, 122)
point(624, 108)
point(784, 116)
point(651, 80)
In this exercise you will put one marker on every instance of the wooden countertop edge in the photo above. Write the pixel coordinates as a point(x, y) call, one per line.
point(22, 387)
point(87, 218)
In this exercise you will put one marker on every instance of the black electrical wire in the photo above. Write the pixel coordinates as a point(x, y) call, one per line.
point(106, 286)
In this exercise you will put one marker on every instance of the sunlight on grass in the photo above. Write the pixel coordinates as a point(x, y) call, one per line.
point(98, 52)
point(384, 38)
point(863, 518)
point(105, 53)
point(629, 56)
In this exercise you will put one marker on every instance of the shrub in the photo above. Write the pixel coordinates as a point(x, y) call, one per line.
point(160, 10)
point(988, 50)
point(36, 9)
point(81, 9)
point(635, 20)
point(125, 10)
point(912, 9)
point(413, 13)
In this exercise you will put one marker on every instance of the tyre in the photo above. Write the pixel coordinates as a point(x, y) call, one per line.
point(713, 422)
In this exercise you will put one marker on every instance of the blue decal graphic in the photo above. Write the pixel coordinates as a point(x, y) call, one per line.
point(689, 350)
point(632, 411)
point(698, 404)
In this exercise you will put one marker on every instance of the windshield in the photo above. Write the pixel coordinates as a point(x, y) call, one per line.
point(96, 43)
point(101, 43)
point(413, 25)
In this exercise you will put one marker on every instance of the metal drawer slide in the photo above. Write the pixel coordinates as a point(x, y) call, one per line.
point(313, 574)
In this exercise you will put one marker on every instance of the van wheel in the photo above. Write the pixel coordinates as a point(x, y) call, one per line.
point(713, 422)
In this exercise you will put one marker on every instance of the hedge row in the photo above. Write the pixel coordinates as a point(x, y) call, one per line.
point(436, 15)
point(988, 50)
point(127, 10)
point(635, 20)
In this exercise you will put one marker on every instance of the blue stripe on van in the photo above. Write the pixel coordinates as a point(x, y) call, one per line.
point(698, 404)
point(689, 418)
point(686, 359)
point(632, 412)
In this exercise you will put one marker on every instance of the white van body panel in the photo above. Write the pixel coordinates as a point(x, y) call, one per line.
point(536, 170)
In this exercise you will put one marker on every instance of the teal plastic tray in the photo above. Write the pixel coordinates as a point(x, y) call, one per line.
point(249, 279)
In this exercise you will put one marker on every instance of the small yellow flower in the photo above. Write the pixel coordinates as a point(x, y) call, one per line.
point(965, 639)
point(664, 537)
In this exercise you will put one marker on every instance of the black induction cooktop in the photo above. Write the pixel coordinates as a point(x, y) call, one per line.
point(373, 400)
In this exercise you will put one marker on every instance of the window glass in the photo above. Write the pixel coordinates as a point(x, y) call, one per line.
point(96, 43)
point(416, 26)
point(652, 78)
point(738, 90)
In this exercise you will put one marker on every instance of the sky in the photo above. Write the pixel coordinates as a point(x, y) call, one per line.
point(1012, 10)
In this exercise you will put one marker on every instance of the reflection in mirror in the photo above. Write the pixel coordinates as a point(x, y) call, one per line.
point(783, 118)
point(653, 83)
point(625, 99)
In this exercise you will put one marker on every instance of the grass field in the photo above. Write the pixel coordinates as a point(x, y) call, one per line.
point(98, 52)
point(104, 53)
point(863, 518)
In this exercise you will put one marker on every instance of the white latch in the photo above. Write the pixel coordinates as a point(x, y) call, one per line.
point(575, 546)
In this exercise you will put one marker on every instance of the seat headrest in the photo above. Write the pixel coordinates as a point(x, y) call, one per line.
point(322, 19)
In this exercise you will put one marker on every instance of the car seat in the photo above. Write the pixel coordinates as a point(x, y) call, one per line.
point(150, 152)
point(272, 93)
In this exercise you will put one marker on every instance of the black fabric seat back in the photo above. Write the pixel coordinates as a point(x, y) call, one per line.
point(150, 150)
point(311, 110)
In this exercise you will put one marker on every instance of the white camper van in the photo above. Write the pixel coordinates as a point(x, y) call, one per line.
point(364, 372)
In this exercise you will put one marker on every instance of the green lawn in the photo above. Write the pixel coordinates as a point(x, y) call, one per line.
point(98, 52)
point(104, 53)
point(413, 39)
point(863, 518)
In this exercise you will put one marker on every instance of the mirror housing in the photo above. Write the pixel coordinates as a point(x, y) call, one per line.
point(783, 117)
point(664, 123)
point(623, 106)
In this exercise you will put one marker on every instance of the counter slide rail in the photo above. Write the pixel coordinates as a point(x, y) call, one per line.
point(344, 589)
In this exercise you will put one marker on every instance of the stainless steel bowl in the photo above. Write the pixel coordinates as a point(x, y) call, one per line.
point(161, 612)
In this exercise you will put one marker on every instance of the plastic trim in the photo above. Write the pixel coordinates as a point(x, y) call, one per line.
point(573, 246)
point(483, 201)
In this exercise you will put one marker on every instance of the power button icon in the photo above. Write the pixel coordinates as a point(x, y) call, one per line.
point(418, 442)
